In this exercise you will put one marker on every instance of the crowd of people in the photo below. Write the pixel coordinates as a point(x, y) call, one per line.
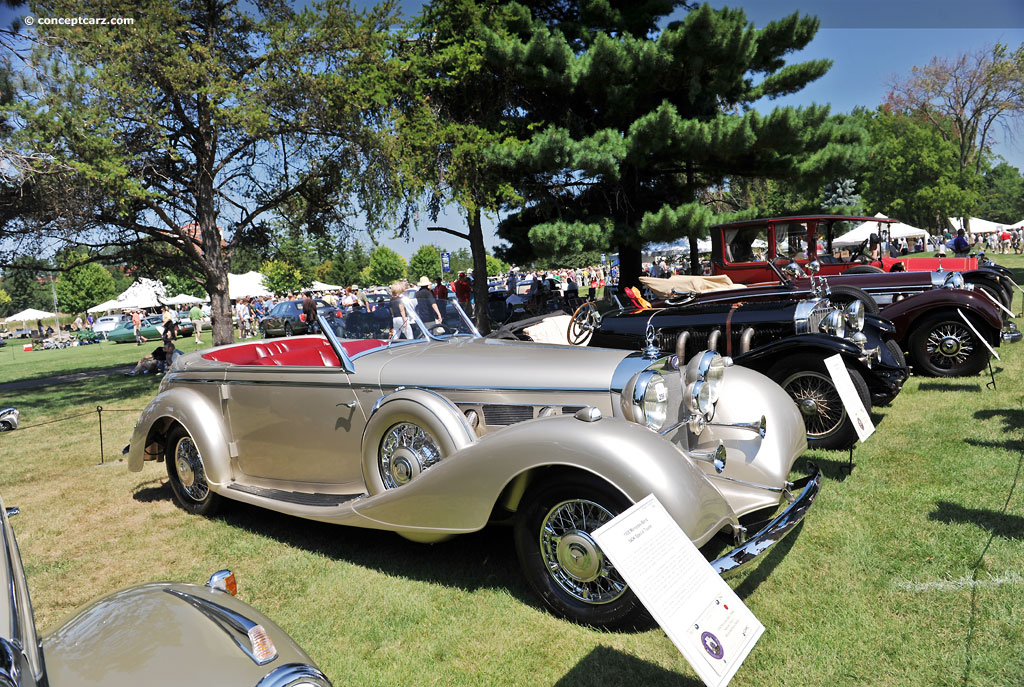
point(1003, 241)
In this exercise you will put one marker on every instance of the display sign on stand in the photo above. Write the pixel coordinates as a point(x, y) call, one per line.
point(446, 262)
point(695, 607)
point(977, 334)
point(855, 409)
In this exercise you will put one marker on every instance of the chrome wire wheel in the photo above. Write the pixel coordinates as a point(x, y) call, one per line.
point(405, 451)
point(949, 345)
point(819, 402)
point(191, 473)
point(573, 558)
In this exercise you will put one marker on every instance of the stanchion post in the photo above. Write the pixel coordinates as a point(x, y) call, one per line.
point(99, 413)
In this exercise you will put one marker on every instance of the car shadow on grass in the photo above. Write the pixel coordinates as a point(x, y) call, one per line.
point(607, 666)
point(949, 386)
point(1000, 524)
point(1013, 418)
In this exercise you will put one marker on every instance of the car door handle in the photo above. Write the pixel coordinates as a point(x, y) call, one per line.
point(350, 404)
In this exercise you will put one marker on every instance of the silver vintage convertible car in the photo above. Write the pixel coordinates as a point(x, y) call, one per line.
point(145, 635)
point(439, 434)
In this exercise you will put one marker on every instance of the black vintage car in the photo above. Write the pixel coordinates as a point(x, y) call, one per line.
point(786, 340)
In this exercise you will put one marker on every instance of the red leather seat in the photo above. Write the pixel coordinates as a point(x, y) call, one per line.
point(305, 352)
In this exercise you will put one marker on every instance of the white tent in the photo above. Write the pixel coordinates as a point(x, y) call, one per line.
point(182, 299)
point(106, 306)
point(29, 315)
point(679, 246)
point(246, 285)
point(144, 293)
point(978, 226)
point(862, 232)
point(320, 286)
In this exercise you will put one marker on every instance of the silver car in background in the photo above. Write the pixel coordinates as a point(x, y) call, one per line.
point(440, 434)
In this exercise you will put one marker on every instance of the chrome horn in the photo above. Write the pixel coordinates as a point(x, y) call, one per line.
point(758, 427)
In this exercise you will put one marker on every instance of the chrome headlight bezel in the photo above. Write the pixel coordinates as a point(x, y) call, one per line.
point(709, 367)
point(649, 399)
point(854, 315)
point(953, 280)
point(834, 324)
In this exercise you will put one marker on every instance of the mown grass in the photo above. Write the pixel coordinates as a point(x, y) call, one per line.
point(876, 588)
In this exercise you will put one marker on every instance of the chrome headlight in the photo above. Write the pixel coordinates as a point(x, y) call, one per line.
point(854, 313)
point(708, 367)
point(833, 324)
point(953, 280)
point(698, 398)
point(650, 399)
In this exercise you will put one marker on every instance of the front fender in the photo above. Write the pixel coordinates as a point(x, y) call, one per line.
point(201, 418)
point(763, 357)
point(907, 312)
point(459, 493)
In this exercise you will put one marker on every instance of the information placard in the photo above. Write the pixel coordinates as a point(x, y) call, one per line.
point(978, 334)
point(695, 607)
point(851, 399)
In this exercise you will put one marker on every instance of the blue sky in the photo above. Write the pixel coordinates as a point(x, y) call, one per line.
point(869, 41)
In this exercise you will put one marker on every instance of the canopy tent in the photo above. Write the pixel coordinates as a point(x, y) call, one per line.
point(144, 293)
point(320, 286)
point(683, 246)
point(862, 232)
point(29, 315)
point(246, 285)
point(978, 226)
point(181, 299)
point(105, 306)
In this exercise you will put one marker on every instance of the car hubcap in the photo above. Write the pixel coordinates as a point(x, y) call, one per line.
point(189, 465)
point(573, 558)
point(405, 451)
point(818, 401)
point(949, 345)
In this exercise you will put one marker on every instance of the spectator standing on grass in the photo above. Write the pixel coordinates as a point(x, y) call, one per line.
point(399, 317)
point(137, 327)
point(361, 304)
point(960, 245)
point(309, 312)
point(78, 323)
point(463, 292)
point(195, 314)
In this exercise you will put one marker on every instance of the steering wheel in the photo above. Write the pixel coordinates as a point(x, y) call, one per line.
point(585, 321)
point(858, 256)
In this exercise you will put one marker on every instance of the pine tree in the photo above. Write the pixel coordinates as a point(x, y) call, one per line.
point(616, 126)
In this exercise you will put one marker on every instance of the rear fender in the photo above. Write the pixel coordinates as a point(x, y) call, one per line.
point(459, 493)
point(201, 418)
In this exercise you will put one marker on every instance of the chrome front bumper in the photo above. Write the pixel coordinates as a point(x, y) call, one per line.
point(1010, 333)
point(772, 533)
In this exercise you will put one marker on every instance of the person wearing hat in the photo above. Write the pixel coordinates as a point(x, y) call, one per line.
point(361, 304)
point(463, 292)
point(426, 304)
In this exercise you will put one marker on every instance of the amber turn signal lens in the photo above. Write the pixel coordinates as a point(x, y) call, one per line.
point(263, 648)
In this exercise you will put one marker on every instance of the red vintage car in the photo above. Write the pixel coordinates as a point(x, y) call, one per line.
point(741, 249)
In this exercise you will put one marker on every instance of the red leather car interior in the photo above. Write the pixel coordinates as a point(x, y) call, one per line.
point(303, 352)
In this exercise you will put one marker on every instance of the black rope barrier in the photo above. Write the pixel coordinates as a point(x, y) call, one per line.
point(99, 415)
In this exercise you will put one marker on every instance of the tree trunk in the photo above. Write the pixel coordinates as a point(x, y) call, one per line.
point(694, 256)
point(220, 308)
point(630, 267)
point(476, 246)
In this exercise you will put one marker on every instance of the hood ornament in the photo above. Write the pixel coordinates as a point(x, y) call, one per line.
point(651, 350)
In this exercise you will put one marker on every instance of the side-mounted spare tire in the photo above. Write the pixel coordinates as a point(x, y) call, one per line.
point(410, 431)
point(842, 295)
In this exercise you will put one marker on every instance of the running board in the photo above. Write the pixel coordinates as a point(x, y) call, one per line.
point(298, 497)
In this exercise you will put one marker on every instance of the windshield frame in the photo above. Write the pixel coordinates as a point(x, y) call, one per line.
point(410, 309)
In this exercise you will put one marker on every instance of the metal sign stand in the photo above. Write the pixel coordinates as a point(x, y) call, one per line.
point(992, 375)
point(849, 465)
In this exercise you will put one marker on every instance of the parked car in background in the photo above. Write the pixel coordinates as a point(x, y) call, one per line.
point(108, 323)
point(145, 635)
point(286, 318)
point(151, 330)
point(442, 433)
point(746, 252)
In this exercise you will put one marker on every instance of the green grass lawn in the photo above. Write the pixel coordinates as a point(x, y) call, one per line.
point(909, 571)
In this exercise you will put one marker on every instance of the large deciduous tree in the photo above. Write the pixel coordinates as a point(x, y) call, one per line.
point(619, 125)
point(195, 124)
point(966, 99)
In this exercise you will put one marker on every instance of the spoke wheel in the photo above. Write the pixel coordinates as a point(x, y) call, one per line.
point(945, 346)
point(187, 474)
point(406, 450)
point(826, 421)
point(560, 559)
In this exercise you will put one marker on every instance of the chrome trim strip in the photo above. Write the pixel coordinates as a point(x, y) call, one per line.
point(292, 673)
point(231, 622)
point(774, 531)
